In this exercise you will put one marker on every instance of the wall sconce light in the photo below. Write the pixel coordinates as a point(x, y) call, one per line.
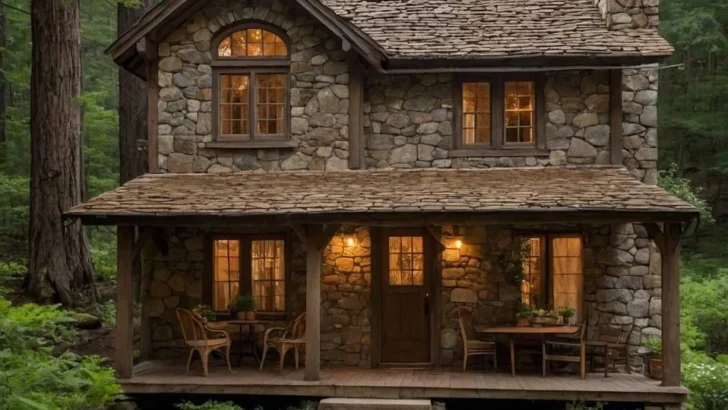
point(350, 241)
point(458, 244)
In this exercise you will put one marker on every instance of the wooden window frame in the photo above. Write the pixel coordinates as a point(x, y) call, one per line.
point(246, 274)
point(251, 66)
point(498, 147)
point(547, 255)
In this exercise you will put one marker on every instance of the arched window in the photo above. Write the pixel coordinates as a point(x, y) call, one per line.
point(250, 86)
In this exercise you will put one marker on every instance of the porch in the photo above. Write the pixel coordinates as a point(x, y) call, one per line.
point(157, 376)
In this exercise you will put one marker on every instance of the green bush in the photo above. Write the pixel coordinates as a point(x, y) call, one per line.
point(33, 377)
point(708, 384)
point(671, 181)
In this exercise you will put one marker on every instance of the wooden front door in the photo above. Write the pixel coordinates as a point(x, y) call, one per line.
point(406, 288)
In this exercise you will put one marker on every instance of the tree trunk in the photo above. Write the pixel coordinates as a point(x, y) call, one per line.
point(59, 262)
point(132, 105)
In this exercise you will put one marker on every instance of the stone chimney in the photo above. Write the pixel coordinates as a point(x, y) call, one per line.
point(621, 14)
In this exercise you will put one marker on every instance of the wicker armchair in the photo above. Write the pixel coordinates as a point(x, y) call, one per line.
point(472, 346)
point(199, 338)
point(284, 339)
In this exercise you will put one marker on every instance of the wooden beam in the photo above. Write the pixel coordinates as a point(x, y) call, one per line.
point(328, 232)
point(436, 235)
point(313, 304)
point(356, 111)
point(671, 305)
point(300, 232)
point(145, 234)
point(615, 117)
point(124, 302)
point(152, 100)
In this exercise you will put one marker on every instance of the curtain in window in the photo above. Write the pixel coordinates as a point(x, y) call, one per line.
point(566, 273)
point(532, 263)
point(226, 280)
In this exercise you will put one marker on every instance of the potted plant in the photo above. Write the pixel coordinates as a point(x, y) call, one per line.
point(539, 318)
point(524, 314)
point(208, 317)
point(566, 313)
point(243, 307)
point(654, 346)
point(552, 318)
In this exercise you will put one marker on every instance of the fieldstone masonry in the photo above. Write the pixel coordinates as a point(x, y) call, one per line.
point(318, 96)
point(621, 14)
point(639, 124)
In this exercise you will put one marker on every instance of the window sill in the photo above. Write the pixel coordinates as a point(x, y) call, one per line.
point(484, 152)
point(251, 144)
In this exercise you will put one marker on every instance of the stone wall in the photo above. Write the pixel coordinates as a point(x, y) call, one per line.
point(409, 122)
point(639, 124)
point(318, 96)
point(345, 300)
point(621, 14)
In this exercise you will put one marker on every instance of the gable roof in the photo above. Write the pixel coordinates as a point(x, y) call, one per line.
point(456, 32)
point(550, 194)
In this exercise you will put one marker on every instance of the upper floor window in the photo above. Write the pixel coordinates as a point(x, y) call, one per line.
point(497, 113)
point(250, 86)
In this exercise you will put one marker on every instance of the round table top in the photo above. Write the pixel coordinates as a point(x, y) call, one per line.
point(246, 322)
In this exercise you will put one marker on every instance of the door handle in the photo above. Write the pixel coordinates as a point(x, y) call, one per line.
point(427, 304)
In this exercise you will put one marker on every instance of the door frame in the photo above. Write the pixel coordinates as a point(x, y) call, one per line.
point(431, 243)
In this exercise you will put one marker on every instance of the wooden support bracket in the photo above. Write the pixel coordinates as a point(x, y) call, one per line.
point(436, 235)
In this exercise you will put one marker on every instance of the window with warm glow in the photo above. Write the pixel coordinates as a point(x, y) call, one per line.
point(497, 113)
point(254, 266)
point(251, 95)
point(519, 108)
point(268, 272)
point(558, 283)
point(406, 260)
point(226, 268)
point(476, 113)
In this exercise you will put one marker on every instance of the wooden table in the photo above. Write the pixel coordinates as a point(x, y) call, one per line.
point(250, 339)
point(513, 331)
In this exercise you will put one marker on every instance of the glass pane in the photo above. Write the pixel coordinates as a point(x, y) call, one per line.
point(239, 43)
point(526, 135)
point(476, 113)
point(511, 134)
point(225, 273)
point(268, 273)
point(525, 118)
point(224, 50)
point(255, 42)
point(511, 118)
point(519, 111)
point(271, 103)
point(234, 103)
point(482, 136)
point(406, 260)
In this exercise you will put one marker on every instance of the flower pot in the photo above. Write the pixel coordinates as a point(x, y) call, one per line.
point(217, 325)
point(240, 315)
point(655, 366)
point(250, 315)
point(522, 322)
point(539, 321)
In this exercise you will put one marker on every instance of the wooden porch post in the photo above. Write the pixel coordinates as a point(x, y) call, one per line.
point(313, 305)
point(671, 305)
point(124, 301)
point(667, 240)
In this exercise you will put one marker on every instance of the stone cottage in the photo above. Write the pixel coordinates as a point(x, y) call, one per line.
point(380, 164)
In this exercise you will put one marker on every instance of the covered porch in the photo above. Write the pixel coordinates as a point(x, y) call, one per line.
point(313, 206)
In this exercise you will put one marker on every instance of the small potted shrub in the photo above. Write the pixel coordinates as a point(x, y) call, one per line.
point(552, 318)
point(654, 346)
point(539, 318)
point(208, 317)
point(523, 317)
point(243, 307)
point(567, 314)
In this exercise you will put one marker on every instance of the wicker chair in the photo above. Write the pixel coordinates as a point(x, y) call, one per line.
point(284, 339)
point(472, 346)
point(199, 338)
point(576, 343)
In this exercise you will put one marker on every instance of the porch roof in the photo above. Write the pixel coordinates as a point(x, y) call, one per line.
point(504, 195)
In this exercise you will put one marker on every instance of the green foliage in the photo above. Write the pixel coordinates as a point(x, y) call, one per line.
point(704, 315)
point(205, 313)
point(708, 384)
point(653, 344)
point(672, 182)
point(108, 313)
point(102, 241)
point(209, 405)
point(33, 377)
point(567, 312)
point(242, 303)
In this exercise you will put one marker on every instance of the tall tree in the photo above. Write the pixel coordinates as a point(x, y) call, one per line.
point(59, 262)
point(132, 103)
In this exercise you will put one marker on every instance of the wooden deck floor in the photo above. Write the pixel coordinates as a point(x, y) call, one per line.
point(167, 377)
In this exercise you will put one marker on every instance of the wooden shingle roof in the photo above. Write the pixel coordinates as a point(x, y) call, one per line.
point(553, 194)
point(495, 28)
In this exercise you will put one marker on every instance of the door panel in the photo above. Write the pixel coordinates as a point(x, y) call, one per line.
point(405, 298)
